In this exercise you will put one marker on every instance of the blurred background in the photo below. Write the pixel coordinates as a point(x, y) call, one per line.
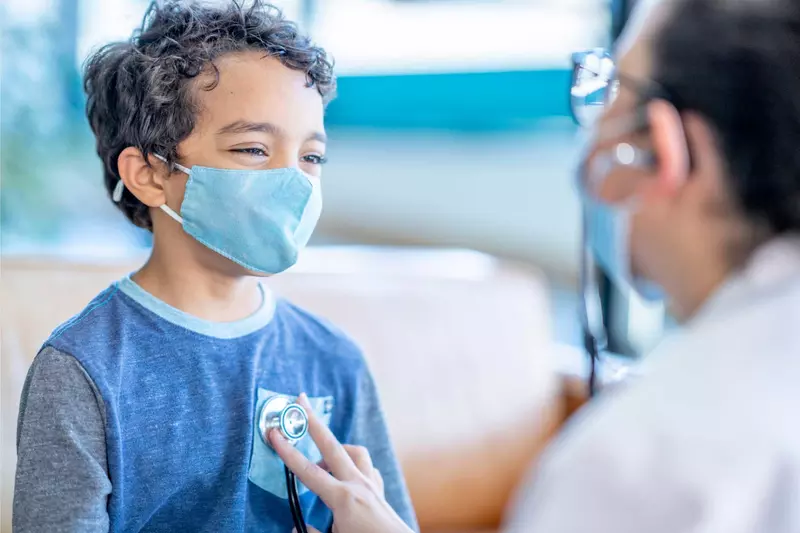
point(451, 129)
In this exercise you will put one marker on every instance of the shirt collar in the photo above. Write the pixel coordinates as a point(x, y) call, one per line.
point(221, 330)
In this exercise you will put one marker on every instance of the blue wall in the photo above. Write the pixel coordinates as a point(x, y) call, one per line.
point(480, 101)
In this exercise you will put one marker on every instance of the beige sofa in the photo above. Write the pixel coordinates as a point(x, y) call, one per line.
point(459, 344)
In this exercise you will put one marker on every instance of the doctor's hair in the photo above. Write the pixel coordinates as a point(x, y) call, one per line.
point(737, 64)
point(140, 92)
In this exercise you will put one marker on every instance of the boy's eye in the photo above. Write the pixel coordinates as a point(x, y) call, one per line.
point(315, 159)
point(251, 151)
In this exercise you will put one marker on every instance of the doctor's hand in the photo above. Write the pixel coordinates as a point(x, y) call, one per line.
point(353, 490)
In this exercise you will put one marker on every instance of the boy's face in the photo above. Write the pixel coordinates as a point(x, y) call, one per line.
point(260, 115)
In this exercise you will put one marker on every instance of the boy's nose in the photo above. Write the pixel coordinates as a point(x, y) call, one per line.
point(283, 159)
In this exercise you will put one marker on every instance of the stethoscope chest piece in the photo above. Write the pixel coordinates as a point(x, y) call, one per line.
point(284, 415)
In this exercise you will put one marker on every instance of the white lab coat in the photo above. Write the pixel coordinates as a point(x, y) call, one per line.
point(708, 441)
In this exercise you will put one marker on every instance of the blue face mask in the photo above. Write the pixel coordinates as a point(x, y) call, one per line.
point(608, 235)
point(259, 219)
point(608, 227)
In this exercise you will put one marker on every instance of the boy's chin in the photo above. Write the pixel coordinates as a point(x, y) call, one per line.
point(257, 274)
point(232, 269)
point(227, 267)
point(238, 271)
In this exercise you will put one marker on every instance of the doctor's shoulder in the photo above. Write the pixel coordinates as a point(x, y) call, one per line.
point(612, 470)
point(676, 451)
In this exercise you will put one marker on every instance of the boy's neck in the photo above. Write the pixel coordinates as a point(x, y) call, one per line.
point(198, 291)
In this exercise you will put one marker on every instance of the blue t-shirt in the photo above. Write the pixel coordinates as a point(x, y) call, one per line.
point(181, 398)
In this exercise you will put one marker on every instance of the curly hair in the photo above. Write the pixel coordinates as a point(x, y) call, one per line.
point(140, 91)
point(737, 65)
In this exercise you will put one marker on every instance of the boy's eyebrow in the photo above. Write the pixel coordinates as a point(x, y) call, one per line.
point(318, 136)
point(244, 126)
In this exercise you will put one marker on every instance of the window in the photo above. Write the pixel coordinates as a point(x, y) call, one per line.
point(401, 37)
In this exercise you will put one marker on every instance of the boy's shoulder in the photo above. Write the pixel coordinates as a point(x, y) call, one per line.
point(94, 337)
point(94, 324)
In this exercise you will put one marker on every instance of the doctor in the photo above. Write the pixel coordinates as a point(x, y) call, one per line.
point(691, 186)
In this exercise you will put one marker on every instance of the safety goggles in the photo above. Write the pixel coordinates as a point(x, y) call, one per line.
point(596, 83)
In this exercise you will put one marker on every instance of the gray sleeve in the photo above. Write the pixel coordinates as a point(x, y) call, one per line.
point(369, 430)
point(62, 481)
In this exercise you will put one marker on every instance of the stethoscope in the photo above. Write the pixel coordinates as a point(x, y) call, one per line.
point(591, 311)
point(291, 420)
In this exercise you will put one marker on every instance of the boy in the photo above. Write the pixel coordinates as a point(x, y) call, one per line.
point(141, 413)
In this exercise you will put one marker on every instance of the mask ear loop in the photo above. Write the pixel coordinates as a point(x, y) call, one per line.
point(180, 167)
point(164, 207)
point(119, 188)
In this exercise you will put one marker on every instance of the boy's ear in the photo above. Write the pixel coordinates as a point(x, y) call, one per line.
point(145, 182)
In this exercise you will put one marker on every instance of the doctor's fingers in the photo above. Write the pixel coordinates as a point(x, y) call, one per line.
point(333, 453)
point(363, 461)
point(379, 482)
point(361, 458)
point(318, 481)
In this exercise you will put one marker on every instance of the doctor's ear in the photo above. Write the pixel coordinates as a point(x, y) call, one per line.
point(670, 146)
point(145, 182)
point(708, 165)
